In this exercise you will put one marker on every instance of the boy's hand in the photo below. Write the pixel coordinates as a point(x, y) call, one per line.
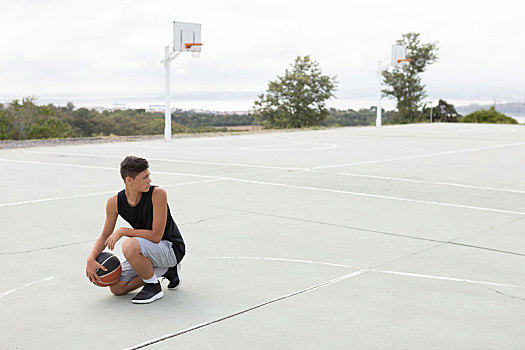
point(91, 270)
point(113, 239)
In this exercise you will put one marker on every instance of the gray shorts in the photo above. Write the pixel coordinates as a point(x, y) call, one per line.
point(161, 255)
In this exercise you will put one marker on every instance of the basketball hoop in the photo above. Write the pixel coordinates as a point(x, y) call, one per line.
point(399, 53)
point(190, 45)
point(195, 49)
point(186, 38)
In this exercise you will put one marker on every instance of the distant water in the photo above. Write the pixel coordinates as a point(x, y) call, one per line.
point(150, 102)
point(221, 101)
point(209, 102)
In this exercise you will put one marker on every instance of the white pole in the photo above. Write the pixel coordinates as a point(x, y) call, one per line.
point(167, 111)
point(379, 95)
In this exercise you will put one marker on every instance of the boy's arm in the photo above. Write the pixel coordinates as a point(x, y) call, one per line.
point(159, 199)
point(111, 219)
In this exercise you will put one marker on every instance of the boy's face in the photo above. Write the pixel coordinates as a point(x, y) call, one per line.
point(141, 181)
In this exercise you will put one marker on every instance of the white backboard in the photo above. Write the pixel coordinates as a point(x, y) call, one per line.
point(186, 33)
point(398, 53)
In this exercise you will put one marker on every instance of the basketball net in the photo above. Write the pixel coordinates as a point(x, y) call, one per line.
point(195, 49)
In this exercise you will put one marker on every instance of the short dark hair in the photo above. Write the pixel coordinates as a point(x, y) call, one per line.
point(131, 166)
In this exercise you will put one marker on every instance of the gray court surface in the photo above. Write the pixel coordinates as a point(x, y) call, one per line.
point(403, 237)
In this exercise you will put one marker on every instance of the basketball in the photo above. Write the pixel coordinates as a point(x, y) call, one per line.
point(112, 263)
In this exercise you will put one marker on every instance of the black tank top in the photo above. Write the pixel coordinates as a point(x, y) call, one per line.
point(140, 217)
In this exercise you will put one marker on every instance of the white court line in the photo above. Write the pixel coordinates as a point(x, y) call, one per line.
point(282, 259)
point(264, 148)
point(99, 193)
point(99, 167)
point(297, 187)
point(295, 142)
point(59, 164)
point(407, 274)
point(55, 198)
point(285, 145)
point(174, 161)
point(377, 196)
point(450, 279)
point(473, 129)
point(293, 169)
point(282, 145)
point(30, 284)
point(309, 289)
point(432, 182)
point(417, 156)
point(268, 302)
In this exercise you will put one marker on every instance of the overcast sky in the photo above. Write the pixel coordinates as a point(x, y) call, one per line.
point(114, 47)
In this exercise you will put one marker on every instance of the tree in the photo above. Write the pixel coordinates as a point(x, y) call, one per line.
point(51, 128)
point(83, 121)
point(488, 116)
point(362, 117)
point(6, 128)
point(404, 81)
point(70, 107)
point(21, 117)
point(296, 99)
point(443, 112)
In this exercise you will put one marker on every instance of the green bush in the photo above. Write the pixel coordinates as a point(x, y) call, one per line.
point(51, 128)
point(489, 116)
point(6, 128)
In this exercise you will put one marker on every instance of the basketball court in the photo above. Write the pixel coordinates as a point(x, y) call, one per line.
point(394, 237)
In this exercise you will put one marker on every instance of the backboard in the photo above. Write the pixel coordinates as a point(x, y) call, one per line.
point(185, 36)
point(398, 54)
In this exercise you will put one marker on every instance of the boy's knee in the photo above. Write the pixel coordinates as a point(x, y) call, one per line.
point(130, 247)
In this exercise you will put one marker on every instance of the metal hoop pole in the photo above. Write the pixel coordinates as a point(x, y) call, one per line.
point(167, 109)
point(379, 94)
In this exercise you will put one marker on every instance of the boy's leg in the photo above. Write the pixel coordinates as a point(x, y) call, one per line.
point(141, 264)
point(148, 257)
point(124, 287)
point(142, 255)
point(130, 280)
point(172, 274)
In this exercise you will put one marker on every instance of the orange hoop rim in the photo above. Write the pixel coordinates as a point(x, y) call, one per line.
point(404, 60)
point(189, 45)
